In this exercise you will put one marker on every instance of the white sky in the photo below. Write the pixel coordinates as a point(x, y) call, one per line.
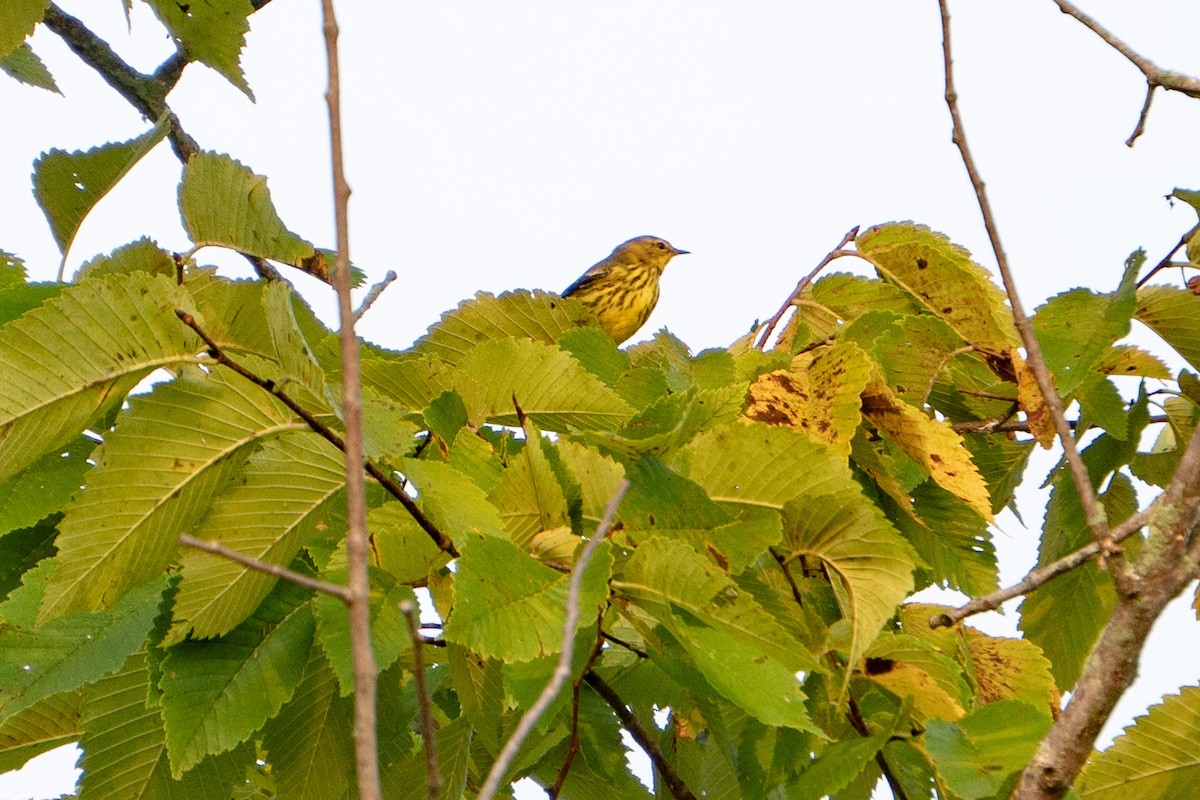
point(495, 146)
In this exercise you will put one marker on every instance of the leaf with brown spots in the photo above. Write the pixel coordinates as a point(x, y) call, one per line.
point(931, 443)
point(818, 394)
point(1029, 397)
point(941, 277)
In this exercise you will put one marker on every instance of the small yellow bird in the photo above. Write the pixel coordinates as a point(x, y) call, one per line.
point(622, 289)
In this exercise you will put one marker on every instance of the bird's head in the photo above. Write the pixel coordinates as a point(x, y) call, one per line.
point(648, 251)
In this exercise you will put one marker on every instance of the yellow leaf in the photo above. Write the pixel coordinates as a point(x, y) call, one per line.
point(1031, 401)
point(931, 443)
point(818, 395)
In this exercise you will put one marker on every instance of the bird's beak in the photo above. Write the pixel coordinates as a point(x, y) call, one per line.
point(679, 252)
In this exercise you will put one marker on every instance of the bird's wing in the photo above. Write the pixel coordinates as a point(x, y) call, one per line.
point(587, 279)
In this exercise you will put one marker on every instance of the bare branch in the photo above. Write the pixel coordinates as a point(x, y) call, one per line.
point(433, 775)
point(1041, 575)
point(562, 670)
point(645, 740)
point(218, 549)
point(1093, 511)
point(573, 746)
point(1166, 260)
point(1110, 668)
point(146, 93)
point(328, 434)
point(357, 545)
point(1140, 128)
point(803, 284)
point(1155, 75)
point(373, 294)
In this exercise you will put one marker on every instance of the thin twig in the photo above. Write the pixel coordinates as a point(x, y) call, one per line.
point(1041, 575)
point(573, 745)
point(1140, 128)
point(1155, 75)
point(859, 723)
point(633, 726)
point(373, 294)
point(803, 284)
point(637, 651)
point(1002, 425)
point(1166, 260)
point(324, 431)
point(562, 670)
point(366, 755)
point(1093, 511)
point(218, 549)
point(433, 775)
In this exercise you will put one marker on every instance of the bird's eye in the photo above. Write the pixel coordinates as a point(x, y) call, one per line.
point(661, 246)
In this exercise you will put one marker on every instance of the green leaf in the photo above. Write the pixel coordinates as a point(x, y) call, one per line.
point(453, 501)
point(140, 256)
point(223, 203)
point(287, 490)
point(405, 550)
point(984, 752)
point(389, 632)
point(68, 185)
point(835, 767)
point(124, 750)
point(665, 578)
point(71, 361)
point(45, 486)
point(551, 387)
point(73, 650)
point(217, 694)
point(1174, 314)
point(406, 780)
point(954, 543)
point(941, 277)
point(1155, 757)
point(509, 606)
point(160, 470)
point(308, 744)
point(858, 545)
point(539, 316)
point(1077, 328)
point(911, 350)
point(24, 66)
point(17, 21)
point(212, 32)
point(738, 671)
point(44, 726)
point(528, 495)
point(597, 474)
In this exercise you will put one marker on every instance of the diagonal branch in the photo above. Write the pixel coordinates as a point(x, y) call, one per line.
point(637, 730)
point(836, 252)
point(1156, 76)
point(325, 432)
point(146, 93)
point(433, 775)
point(1093, 511)
point(562, 670)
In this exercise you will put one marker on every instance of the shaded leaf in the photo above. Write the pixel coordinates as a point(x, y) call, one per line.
point(23, 65)
point(68, 185)
point(210, 31)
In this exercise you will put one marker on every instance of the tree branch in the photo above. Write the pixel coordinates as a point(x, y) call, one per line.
point(1164, 572)
point(803, 284)
point(1093, 511)
point(357, 545)
point(325, 432)
point(1155, 75)
point(218, 549)
point(638, 732)
point(146, 93)
point(433, 775)
point(573, 746)
point(562, 670)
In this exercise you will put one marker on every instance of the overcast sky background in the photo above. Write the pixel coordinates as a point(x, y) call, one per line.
point(493, 146)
